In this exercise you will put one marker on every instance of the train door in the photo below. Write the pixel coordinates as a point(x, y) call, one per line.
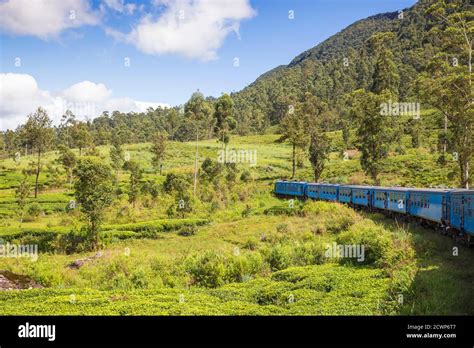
point(445, 209)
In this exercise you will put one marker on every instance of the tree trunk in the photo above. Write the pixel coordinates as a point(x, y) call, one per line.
point(466, 175)
point(445, 140)
point(294, 161)
point(37, 173)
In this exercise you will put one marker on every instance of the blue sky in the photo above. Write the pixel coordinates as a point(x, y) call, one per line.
point(166, 65)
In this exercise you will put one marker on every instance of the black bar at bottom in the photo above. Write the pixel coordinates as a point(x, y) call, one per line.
point(426, 331)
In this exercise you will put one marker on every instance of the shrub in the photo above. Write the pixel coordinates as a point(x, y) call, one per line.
point(72, 242)
point(282, 228)
point(207, 269)
point(34, 210)
point(251, 244)
point(339, 222)
point(278, 258)
point(246, 176)
point(213, 269)
point(376, 241)
point(309, 253)
point(247, 211)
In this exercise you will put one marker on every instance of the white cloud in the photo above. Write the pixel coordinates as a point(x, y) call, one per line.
point(120, 6)
point(45, 18)
point(87, 91)
point(20, 96)
point(194, 29)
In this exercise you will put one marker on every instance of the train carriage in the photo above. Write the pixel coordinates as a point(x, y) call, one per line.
point(390, 198)
point(362, 195)
point(328, 192)
point(345, 194)
point(290, 188)
point(461, 212)
point(429, 204)
point(312, 191)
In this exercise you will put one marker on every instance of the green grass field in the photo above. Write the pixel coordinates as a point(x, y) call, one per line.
point(250, 254)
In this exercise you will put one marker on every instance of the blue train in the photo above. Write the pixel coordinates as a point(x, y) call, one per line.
point(450, 209)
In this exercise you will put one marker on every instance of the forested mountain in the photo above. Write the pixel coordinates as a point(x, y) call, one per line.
point(339, 65)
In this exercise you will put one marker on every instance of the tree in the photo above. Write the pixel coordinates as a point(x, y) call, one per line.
point(373, 131)
point(296, 125)
point(38, 135)
point(386, 76)
point(64, 131)
point(2, 144)
point(197, 111)
point(94, 193)
point(447, 82)
point(81, 136)
point(294, 131)
point(10, 138)
point(21, 194)
point(318, 153)
point(158, 149)
point(224, 120)
point(116, 153)
point(136, 174)
point(68, 160)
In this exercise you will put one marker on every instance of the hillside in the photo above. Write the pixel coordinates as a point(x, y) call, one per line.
point(341, 64)
point(249, 254)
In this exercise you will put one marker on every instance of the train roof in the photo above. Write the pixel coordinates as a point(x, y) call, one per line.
point(441, 190)
point(462, 191)
point(292, 182)
point(358, 186)
point(392, 188)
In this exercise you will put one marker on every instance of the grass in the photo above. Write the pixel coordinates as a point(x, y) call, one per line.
point(251, 254)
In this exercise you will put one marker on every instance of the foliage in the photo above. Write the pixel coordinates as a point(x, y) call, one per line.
point(94, 193)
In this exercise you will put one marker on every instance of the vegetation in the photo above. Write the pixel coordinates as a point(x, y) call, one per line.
point(207, 237)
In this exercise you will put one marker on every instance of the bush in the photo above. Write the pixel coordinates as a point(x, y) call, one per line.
point(247, 211)
point(376, 241)
point(213, 269)
point(309, 253)
point(207, 270)
point(34, 210)
point(278, 258)
point(246, 176)
point(73, 242)
point(339, 223)
point(251, 244)
point(282, 228)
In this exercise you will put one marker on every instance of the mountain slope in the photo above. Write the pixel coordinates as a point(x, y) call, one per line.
point(339, 65)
